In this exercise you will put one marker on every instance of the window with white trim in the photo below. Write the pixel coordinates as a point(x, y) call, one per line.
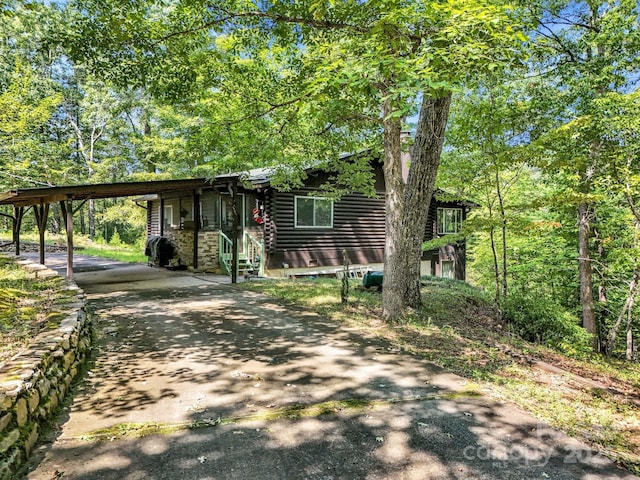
point(448, 269)
point(168, 217)
point(313, 212)
point(449, 220)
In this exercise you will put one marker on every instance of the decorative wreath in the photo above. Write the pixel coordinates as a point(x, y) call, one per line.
point(257, 217)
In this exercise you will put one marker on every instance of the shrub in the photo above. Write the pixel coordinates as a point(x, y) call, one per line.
point(543, 321)
point(115, 240)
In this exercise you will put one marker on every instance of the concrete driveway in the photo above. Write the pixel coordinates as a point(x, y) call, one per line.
point(194, 378)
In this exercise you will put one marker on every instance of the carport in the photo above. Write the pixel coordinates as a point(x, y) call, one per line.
point(72, 198)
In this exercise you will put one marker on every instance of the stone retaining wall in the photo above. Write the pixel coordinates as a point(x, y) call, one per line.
point(28, 247)
point(34, 383)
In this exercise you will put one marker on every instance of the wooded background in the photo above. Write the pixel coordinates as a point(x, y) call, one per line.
point(540, 102)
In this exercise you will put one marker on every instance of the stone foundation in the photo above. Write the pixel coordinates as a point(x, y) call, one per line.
point(183, 241)
point(35, 382)
point(207, 248)
point(208, 253)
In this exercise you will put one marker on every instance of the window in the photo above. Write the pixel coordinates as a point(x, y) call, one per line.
point(168, 216)
point(448, 269)
point(449, 220)
point(313, 212)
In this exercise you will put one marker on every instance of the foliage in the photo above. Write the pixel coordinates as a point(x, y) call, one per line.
point(23, 112)
point(586, 64)
point(25, 303)
point(124, 217)
point(542, 320)
point(552, 139)
point(88, 246)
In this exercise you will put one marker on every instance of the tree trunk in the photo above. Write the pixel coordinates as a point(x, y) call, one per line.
point(602, 289)
point(91, 218)
point(392, 295)
point(585, 273)
point(626, 309)
point(496, 268)
point(503, 223)
point(407, 206)
point(150, 167)
point(629, 352)
point(83, 228)
point(425, 159)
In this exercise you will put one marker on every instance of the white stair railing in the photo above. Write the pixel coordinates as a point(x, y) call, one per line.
point(252, 257)
point(254, 249)
point(225, 252)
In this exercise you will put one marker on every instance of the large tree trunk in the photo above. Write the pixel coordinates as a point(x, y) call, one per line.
point(394, 271)
point(585, 272)
point(407, 206)
point(425, 159)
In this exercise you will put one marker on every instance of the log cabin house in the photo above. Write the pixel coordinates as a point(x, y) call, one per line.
point(291, 232)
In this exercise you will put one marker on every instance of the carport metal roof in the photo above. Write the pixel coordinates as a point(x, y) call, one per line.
point(40, 198)
point(26, 197)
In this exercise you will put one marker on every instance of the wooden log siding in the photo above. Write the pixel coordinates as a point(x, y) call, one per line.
point(358, 228)
point(270, 224)
point(153, 218)
point(454, 252)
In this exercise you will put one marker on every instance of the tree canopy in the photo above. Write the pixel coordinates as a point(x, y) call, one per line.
point(543, 131)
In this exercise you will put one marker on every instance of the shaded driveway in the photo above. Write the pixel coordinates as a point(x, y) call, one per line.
point(176, 349)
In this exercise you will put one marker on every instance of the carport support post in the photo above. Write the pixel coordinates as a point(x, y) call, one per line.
point(196, 226)
point(67, 210)
point(234, 239)
point(18, 213)
point(42, 214)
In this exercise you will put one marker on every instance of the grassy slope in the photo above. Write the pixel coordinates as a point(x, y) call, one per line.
point(458, 327)
point(122, 253)
point(25, 306)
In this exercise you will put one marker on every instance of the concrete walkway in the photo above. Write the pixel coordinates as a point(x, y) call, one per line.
point(177, 350)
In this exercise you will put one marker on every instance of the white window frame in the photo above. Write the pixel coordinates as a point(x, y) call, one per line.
point(306, 197)
point(168, 215)
point(440, 216)
point(453, 269)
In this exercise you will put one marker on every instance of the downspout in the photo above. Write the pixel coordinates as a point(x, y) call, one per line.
point(162, 217)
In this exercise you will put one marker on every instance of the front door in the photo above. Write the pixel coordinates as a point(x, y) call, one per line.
point(226, 216)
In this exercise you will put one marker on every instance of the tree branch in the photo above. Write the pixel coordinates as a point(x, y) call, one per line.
point(261, 15)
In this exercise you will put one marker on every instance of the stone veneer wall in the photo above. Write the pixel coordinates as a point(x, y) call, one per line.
point(183, 241)
point(208, 253)
point(207, 248)
point(34, 383)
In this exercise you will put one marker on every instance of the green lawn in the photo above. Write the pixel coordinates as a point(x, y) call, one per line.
point(460, 329)
point(84, 246)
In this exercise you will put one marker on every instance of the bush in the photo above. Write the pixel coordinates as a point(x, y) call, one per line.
point(543, 321)
point(115, 240)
